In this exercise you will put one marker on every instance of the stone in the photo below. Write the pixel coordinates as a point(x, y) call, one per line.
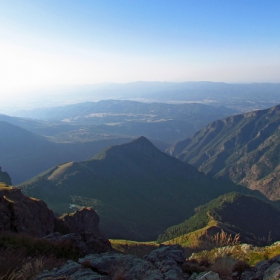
point(66, 270)
point(169, 260)
point(88, 274)
point(209, 275)
point(273, 272)
point(265, 270)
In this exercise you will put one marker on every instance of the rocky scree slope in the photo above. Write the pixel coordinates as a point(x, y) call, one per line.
point(243, 148)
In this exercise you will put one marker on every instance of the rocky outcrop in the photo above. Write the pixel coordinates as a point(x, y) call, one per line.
point(84, 220)
point(168, 260)
point(22, 214)
point(162, 263)
point(19, 213)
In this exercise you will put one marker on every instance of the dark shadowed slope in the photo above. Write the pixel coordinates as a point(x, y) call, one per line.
point(137, 190)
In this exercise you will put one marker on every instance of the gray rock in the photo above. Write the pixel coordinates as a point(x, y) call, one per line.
point(66, 270)
point(265, 270)
point(209, 275)
point(168, 259)
point(273, 272)
point(88, 274)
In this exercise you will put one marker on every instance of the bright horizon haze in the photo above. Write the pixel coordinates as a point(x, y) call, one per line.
point(48, 43)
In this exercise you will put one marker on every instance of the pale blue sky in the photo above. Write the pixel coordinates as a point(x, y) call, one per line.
point(51, 42)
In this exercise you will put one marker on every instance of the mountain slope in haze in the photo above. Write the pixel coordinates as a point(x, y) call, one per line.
point(83, 112)
point(234, 213)
point(244, 148)
point(243, 97)
point(25, 154)
point(137, 190)
point(159, 121)
point(5, 177)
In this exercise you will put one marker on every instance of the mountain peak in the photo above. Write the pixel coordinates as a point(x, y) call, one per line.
point(141, 141)
point(140, 144)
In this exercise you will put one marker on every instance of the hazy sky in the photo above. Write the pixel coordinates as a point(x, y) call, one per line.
point(50, 42)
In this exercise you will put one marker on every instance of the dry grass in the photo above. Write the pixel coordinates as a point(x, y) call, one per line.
point(16, 266)
point(138, 249)
point(222, 239)
point(22, 257)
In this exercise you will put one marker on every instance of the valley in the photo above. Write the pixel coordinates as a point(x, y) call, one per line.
point(199, 175)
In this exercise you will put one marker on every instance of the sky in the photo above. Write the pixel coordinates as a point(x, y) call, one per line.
point(68, 42)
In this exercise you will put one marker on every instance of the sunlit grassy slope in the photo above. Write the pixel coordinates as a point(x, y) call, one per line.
point(234, 213)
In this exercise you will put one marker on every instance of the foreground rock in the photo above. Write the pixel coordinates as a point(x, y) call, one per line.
point(265, 270)
point(162, 263)
point(22, 214)
point(19, 213)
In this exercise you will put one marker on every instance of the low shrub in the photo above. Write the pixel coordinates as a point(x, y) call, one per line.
point(241, 266)
point(223, 266)
point(15, 265)
point(221, 239)
point(22, 257)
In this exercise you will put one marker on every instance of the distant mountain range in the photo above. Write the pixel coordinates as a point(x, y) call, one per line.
point(244, 148)
point(255, 220)
point(242, 97)
point(122, 118)
point(137, 190)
